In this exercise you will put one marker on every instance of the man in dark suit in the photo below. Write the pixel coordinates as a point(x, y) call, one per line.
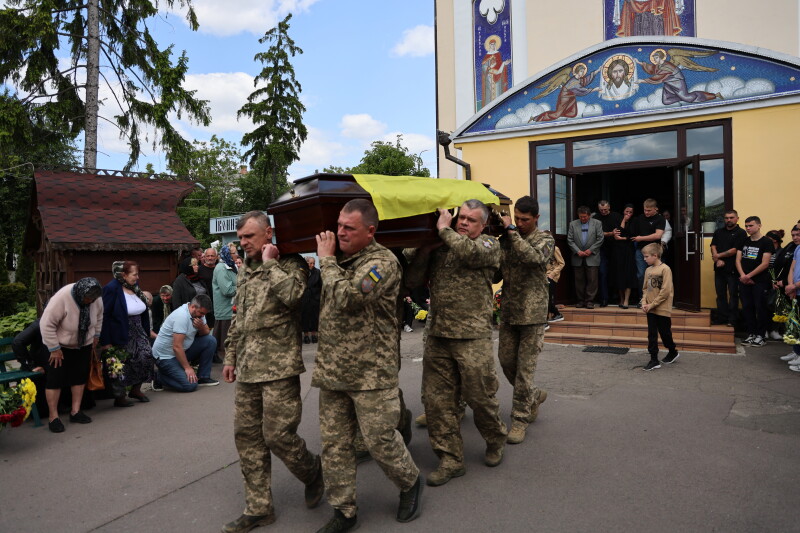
point(585, 237)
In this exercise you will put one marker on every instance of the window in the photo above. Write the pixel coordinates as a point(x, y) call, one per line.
point(609, 150)
point(550, 155)
point(543, 196)
point(704, 141)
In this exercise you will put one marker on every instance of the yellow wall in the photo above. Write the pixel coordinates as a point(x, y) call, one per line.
point(764, 167)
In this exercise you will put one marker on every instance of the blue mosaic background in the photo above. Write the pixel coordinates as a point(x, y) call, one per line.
point(739, 76)
point(482, 29)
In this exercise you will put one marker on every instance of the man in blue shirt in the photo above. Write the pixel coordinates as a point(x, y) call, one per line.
point(182, 340)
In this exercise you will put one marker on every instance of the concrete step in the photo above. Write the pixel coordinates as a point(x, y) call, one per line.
point(633, 316)
point(636, 342)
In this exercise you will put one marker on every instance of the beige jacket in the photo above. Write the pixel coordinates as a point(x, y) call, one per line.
point(657, 289)
point(59, 324)
point(555, 265)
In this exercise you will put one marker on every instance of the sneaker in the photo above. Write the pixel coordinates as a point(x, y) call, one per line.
point(774, 335)
point(557, 318)
point(410, 506)
point(80, 417)
point(789, 356)
point(795, 361)
point(670, 358)
point(652, 365)
point(749, 340)
point(795, 368)
point(546, 327)
point(56, 426)
point(157, 386)
point(758, 341)
point(207, 382)
point(246, 522)
point(339, 523)
point(444, 473)
point(407, 328)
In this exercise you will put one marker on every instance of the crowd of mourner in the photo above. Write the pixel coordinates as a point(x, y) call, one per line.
point(250, 309)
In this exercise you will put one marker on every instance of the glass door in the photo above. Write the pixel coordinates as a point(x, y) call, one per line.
point(687, 234)
point(562, 211)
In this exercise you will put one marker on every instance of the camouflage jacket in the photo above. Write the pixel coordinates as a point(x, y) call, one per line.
point(460, 274)
point(264, 340)
point(523, 270)
point(358, 328)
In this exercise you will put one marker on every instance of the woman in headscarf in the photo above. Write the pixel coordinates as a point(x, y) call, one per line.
point(162, 307)
point(224, 288)
point(70, 326)
point(188, 284)
point(126, 324)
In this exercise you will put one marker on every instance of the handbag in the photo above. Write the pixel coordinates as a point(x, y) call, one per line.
point(95, 381)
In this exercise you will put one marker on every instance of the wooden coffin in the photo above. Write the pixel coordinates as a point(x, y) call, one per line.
point(313, 204)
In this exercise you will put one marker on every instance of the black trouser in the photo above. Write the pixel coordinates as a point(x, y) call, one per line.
point(408, 314)
point(551, 308)
point(727, 286)
point(74, 368)
point(754, 307)
point(659, 325)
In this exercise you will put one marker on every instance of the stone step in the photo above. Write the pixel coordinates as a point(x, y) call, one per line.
point(633, 316)
point(621, 329)
point(636, 342)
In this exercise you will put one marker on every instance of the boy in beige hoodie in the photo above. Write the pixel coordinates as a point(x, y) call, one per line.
point(657, 293)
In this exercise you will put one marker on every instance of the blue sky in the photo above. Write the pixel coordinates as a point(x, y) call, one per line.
point(367, 73)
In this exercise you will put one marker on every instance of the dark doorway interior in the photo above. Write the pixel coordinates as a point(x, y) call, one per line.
point(620, 187)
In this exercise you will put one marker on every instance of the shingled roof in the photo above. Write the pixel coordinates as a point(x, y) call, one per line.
point(100, 212)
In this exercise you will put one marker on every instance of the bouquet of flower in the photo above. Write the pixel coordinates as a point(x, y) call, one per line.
point(782, 304)
point(498, 296)
point(16, 403)
point(419, 313)
point(114, 359)
point(792, 335)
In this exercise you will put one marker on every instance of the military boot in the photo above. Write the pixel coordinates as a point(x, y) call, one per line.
point(246, 522)
point(339, 523)
point(445, 472)
point(421, 420)
point(517, 433)
point(494, 454)
point(410, 504)
point(538, 398)
point(315, 489)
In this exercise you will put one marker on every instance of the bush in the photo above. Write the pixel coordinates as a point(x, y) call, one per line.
point(11, 294)
point(12, 324)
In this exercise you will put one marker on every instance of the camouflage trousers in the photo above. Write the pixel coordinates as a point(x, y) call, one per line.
point(265, 420)
point(376, 413)
point(404, 414)
point(518, 352)
point(454, 369)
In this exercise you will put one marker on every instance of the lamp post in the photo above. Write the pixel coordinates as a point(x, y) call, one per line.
point(419, 158)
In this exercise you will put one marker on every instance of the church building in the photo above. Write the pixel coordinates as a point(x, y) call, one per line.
point(695, 103)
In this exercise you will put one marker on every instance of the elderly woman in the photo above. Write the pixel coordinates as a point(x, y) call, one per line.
point(162, 307)
point(188, 284)
point(70, 326)
point(224, 289)
point(126, 324)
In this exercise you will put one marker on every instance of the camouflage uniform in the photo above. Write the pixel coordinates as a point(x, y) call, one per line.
point(357, 371)
point(264, 345)
point(524, 313)
point(458, 360)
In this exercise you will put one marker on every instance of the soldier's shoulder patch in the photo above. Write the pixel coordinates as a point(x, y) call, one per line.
point(489, 241)
point(548, 247)
point(372, 278)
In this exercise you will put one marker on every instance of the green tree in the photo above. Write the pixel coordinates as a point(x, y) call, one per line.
point(387, 159)
point(102, 41)
point(277, 113)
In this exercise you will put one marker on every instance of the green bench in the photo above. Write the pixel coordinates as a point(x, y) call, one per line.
point(9, 376)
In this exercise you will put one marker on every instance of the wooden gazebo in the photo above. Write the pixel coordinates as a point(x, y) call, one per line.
point(81, 223)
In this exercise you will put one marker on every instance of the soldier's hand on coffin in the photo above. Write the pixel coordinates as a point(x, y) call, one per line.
point(506, 220)
point(269, 251)
point(445, 219)
point(326, 244)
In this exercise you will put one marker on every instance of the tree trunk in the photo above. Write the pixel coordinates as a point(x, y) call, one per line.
point(92, 84)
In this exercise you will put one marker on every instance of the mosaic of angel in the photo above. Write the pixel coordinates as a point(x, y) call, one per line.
point(574, 82)
point(665, 68)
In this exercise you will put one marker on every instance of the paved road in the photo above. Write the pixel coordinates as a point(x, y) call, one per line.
point(711, 443)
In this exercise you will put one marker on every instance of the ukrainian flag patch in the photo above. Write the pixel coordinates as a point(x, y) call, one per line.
point(370, 280)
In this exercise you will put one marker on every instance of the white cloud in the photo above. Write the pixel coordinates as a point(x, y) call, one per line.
point(318, 151)
point(416, 42)
point(589, 110)
point(521, 116)
point(415, 142)
point(729, 87)
point(237, 16)
point(755, 87)
point(651, 101)
point(491, 8)
point(226, 92)
point(361, 126)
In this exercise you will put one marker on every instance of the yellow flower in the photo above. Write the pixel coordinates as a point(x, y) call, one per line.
point(421, 314)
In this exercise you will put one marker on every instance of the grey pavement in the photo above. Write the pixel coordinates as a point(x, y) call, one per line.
point(710, 443)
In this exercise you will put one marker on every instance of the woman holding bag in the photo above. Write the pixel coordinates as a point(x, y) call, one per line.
point(126, 324)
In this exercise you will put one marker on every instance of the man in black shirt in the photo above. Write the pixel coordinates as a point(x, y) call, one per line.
point(610, 220)
point(752, 262)
point(647, 227)
point(724, 245)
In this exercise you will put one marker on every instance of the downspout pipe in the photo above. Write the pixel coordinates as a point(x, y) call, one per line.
point(443, 138)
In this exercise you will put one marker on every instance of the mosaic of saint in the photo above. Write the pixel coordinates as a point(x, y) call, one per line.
point(630, 18)
point(491, 49)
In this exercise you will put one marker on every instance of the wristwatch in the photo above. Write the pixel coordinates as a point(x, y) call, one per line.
point(511, 227)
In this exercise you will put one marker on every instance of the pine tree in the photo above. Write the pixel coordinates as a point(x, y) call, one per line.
point(108, 42)
point(276, 112)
